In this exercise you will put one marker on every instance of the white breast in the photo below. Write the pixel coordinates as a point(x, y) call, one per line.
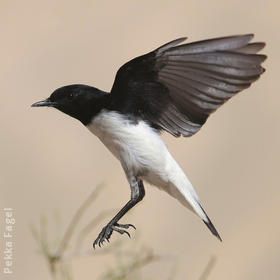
point(135, 144)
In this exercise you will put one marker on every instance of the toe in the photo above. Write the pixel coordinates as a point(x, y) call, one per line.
point(125, 225)
point(121, 231)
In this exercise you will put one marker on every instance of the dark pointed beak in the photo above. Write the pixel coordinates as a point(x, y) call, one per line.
point(42, 103)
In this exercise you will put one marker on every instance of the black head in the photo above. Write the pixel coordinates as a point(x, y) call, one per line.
point(78, 101)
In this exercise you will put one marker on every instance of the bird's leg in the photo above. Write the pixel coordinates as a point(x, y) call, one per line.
point(137, 194)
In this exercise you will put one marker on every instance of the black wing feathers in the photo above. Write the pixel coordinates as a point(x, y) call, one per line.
point(176, 88)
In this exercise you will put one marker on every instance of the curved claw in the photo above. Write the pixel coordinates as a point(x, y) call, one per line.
point(125, 225)
point(95, 243)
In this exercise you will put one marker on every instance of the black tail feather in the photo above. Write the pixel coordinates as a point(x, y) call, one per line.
point(211, 227)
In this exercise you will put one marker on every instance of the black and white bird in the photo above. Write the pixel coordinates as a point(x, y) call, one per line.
point(173, 88)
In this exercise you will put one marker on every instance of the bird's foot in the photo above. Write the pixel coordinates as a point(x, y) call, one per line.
point(107, 231)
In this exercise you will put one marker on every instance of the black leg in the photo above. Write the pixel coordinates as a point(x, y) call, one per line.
point(137, 194)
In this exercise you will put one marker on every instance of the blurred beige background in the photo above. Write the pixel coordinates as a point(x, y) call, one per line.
point(50, 162)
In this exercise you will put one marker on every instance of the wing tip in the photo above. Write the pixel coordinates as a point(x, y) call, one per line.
point(250, 35)
point(170, 44)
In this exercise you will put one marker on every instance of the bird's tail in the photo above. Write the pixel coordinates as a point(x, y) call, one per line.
point(181, 188)
point(188, 197)
point(195, 204)
point(186, 194)
point(209, 224)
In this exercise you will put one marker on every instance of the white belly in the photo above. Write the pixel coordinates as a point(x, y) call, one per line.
point(138, 147)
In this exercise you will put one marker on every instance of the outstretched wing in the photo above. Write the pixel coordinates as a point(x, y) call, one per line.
point(176, 88)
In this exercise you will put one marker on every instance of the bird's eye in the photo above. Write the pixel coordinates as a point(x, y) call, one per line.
point(70, 96)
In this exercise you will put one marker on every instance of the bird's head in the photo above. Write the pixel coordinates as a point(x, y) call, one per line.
point(77, 101)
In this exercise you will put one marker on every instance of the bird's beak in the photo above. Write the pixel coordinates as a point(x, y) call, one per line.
point(42, 103)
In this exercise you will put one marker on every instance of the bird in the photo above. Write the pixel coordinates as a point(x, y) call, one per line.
point(173, 89)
